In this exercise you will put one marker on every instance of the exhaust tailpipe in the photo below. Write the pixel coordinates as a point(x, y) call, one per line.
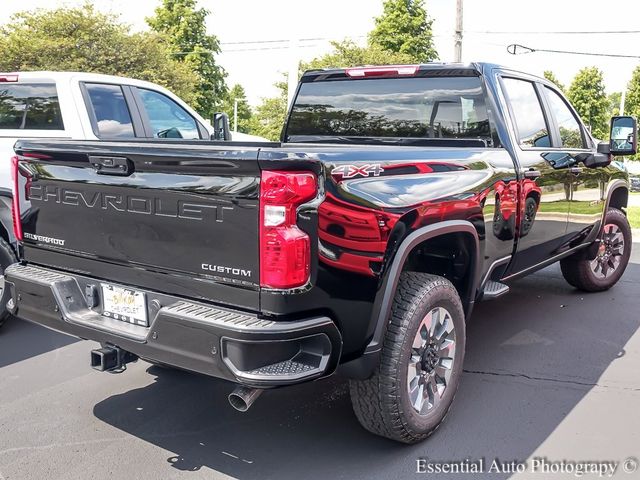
point(243, 397)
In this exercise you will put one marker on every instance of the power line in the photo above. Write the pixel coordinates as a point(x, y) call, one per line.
point(277, 45)
point(266, 48)
point(517, 49)
point(250, 42)
point(452, 32)
point(287, 40)
point(565, 32)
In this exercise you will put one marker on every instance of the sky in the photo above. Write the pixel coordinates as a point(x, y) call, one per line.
point(256, 35)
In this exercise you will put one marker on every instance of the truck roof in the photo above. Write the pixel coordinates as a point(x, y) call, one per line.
point(474, 68)
point(79, 76)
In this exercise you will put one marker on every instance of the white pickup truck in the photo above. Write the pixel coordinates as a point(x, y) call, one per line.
point(85, 106)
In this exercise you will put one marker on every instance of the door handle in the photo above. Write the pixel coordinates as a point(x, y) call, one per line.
point(105, 165)
point(576, 170)
point(532, 174)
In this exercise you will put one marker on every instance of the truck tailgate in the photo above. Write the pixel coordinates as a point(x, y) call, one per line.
point(183, 215)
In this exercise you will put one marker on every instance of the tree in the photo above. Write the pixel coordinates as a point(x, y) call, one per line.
point(271, 114)
point(588, 96)
point(81, 39)
point(405, 27)
point(402, 35)
point(348, 54)
point(549, 75)
point(244, 109)
point(614, 103)
point(632, 99)
point(185, 26)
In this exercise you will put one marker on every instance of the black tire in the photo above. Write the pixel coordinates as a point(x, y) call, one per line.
point(530, 211)
point(382, 403)
point(7, 257)
point(502, 228)
point(579, 271)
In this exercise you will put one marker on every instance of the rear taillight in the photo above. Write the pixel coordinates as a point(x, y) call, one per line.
point(15, 203)
point(285, 250)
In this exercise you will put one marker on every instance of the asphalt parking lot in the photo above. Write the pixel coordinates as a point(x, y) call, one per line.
point(550, 372)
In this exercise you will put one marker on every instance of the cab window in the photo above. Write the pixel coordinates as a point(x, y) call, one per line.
point(111, 111)
point(529, 117)
point(30, 107)
point(166, 118)
point(570, 131)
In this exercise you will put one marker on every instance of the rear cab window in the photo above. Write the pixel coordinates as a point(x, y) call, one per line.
point(111, 114)
point(30, 106)
point(446, 107)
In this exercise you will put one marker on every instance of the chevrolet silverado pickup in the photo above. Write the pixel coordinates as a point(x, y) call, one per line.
point(397, 197)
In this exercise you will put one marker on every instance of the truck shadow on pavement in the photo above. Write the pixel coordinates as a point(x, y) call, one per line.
point(40, 340)
point(531, 358)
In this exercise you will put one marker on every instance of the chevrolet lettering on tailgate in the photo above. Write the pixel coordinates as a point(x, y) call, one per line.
point(128, 203)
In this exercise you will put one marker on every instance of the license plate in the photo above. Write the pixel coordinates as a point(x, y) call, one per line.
point(124, 304)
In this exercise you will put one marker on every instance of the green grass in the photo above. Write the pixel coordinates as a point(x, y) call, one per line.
point(563, 206)
point(633, 213)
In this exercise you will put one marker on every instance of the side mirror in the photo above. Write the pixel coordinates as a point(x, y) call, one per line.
point(172, 132)
point(601, 158)
point(624, 136)
point(221, 127)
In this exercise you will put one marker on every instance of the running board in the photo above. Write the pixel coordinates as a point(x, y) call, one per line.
point(494, 290)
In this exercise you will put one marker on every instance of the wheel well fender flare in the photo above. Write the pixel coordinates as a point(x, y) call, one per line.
point(615, 186)
point(384, 297)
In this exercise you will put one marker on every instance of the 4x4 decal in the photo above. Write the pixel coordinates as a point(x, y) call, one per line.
point(352, 171)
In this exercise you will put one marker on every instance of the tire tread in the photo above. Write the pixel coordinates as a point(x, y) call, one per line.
point(375, 400)
point(576, 270)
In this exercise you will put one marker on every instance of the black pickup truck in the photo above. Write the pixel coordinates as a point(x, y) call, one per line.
point(398, 197)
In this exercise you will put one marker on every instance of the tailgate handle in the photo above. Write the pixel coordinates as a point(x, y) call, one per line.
point(111, 165)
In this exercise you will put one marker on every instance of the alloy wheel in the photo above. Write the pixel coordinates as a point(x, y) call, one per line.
point(431, 362)
point(610, 251)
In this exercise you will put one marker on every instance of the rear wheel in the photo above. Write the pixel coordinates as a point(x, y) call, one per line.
point(530, 210)
point(614, 251)
point(421, 362)
point(503, 228)
point(7, 257)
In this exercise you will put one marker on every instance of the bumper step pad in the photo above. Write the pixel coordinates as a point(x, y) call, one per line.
point(288, 367)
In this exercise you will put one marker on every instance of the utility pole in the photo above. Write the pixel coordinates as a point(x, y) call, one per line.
point(235, 115)
point(458, 34)
point(294, 60)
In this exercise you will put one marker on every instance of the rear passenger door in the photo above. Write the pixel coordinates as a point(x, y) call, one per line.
point(544, 189)
point(112, 111)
